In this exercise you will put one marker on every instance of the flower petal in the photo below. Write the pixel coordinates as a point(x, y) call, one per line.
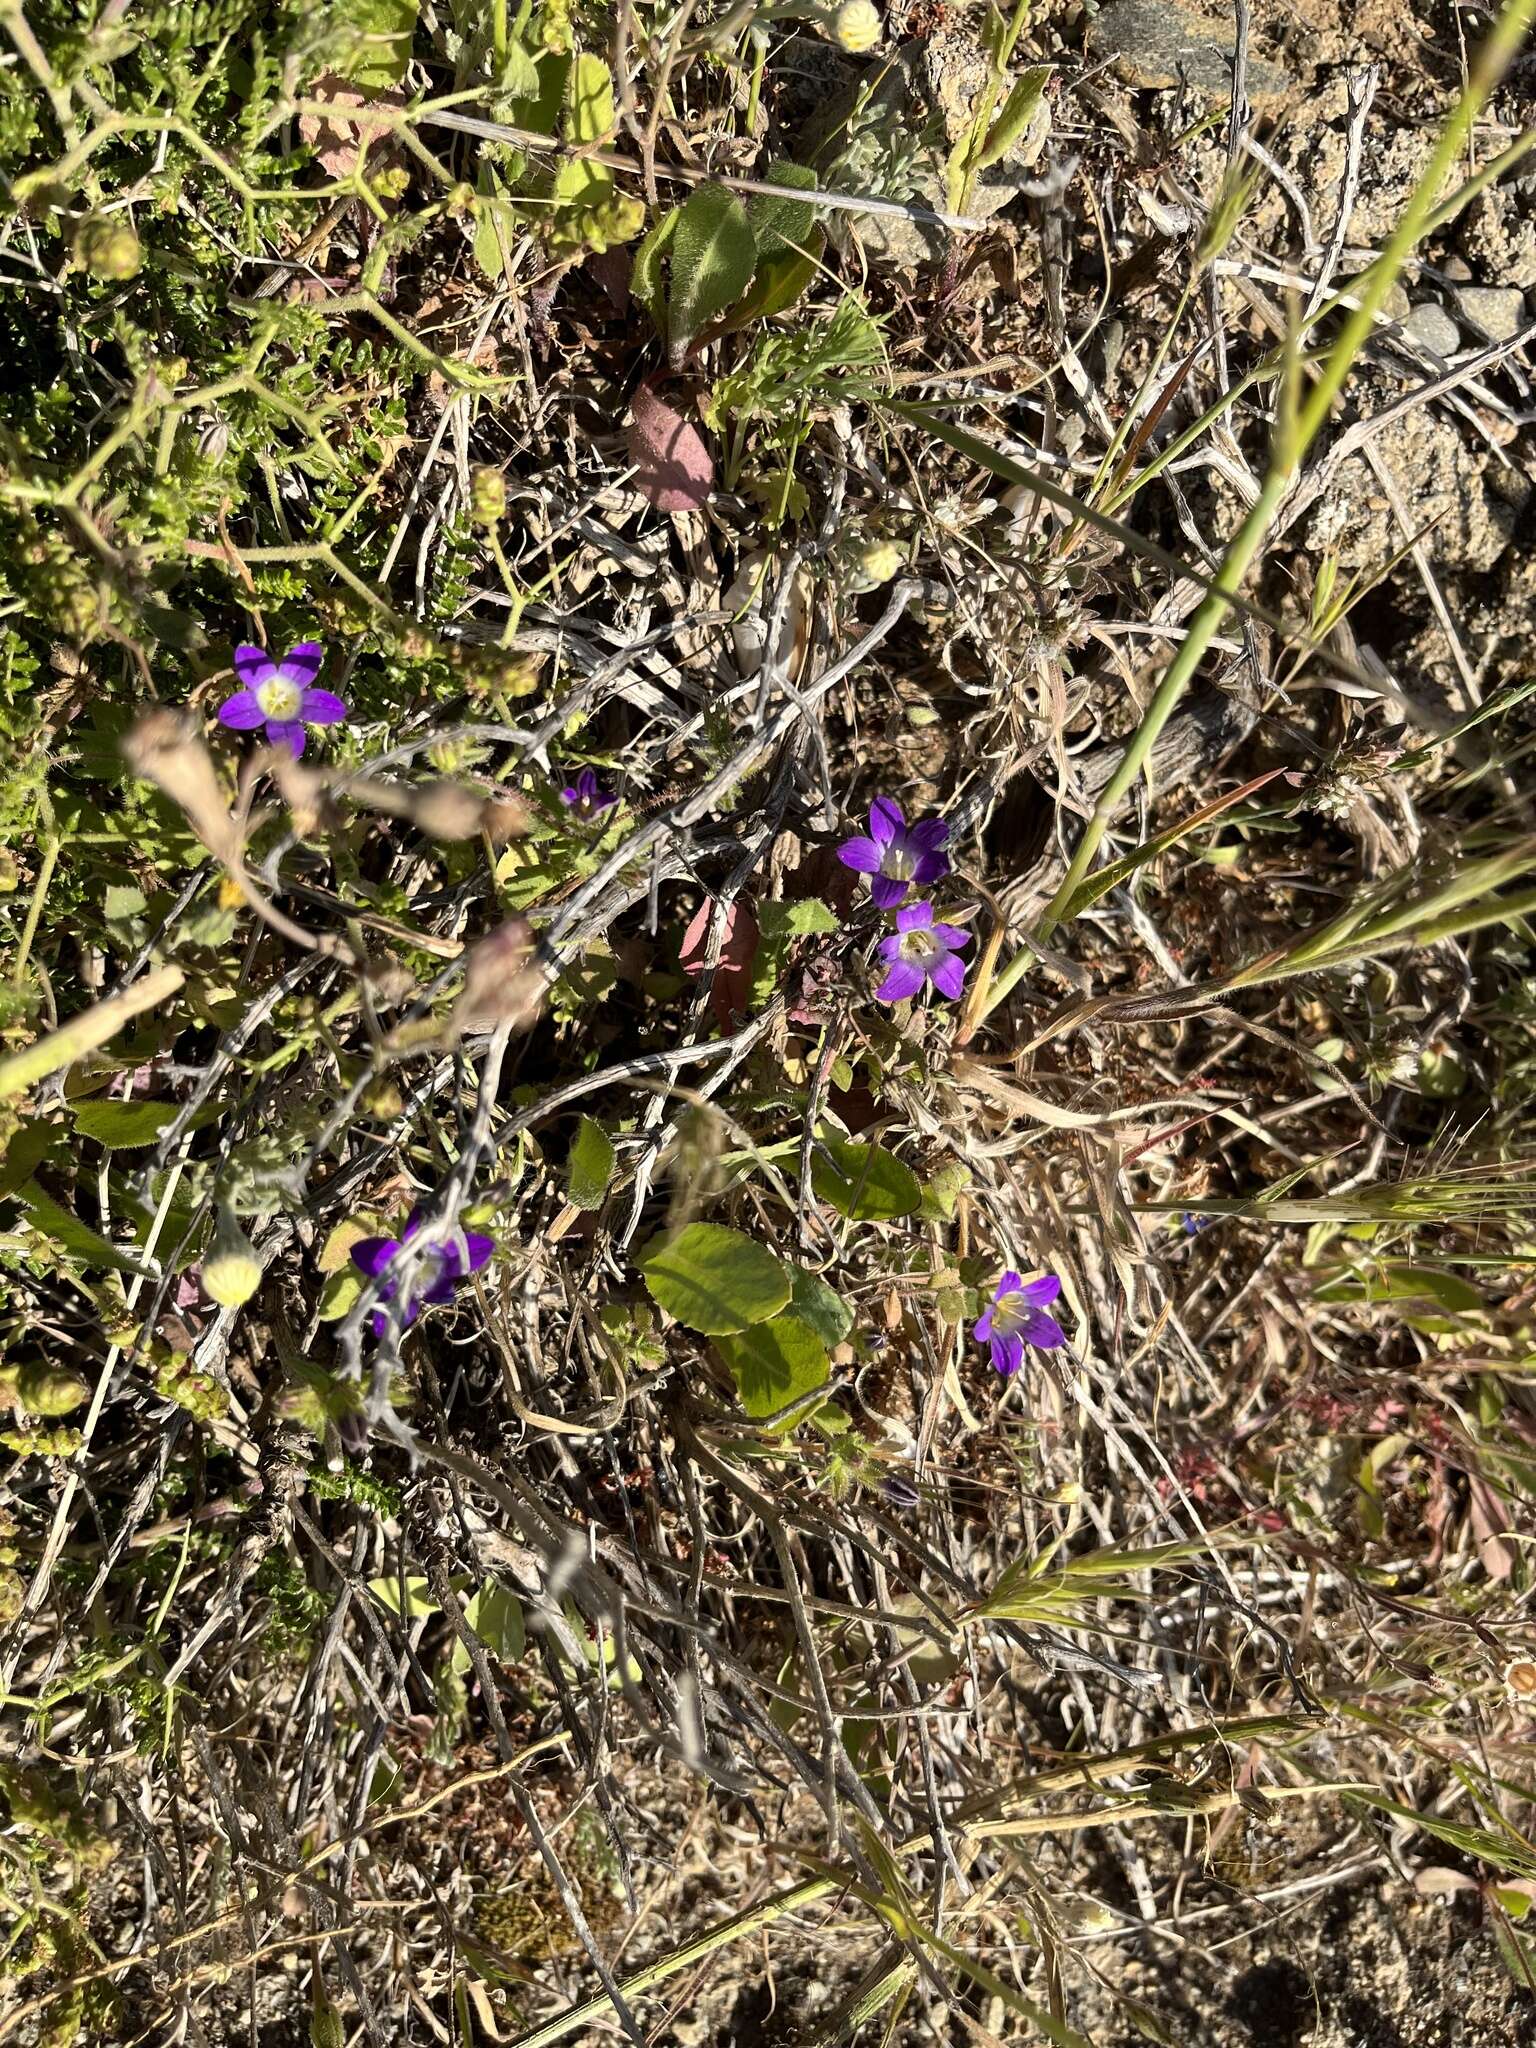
point(321, 707)
point(286, 733)
point(917, 917)
point(253, 665)
point(1041, 1293)
point(887, 891)
point(953, 936)
point(885, 820)
point(948, 976)
point(890, 949)
point(586, 785)
point(570, 794)
point(983, 1329)
point(1041, 1330)
point(903, 980)
point(1008, 1354)
point(1010, 1283)
point(371, 1255)
point(929, 834)
point(860, 854)
point(930, 867)
point(301, 664)
point(603, 801)
point(241, 713)
point(479, 1248)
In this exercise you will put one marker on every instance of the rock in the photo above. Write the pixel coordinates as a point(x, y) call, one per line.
point(1433, 328)
point(1166, 42)
point(1467, 501)
point(1497, 310)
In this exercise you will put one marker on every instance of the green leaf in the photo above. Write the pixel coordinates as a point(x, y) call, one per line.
point(713, 258)
point(1405, 1283)
point(944, 1190)
point(418, 1599)
point(339, 1293)
point(588, 100)
point(121, 902)
point(63, 1229)
point(646, 282)
point(28, 1146)
point(864, 1182)
point(820, 1307)
point(496, 1616)
point(581, 183)
point(590, 1166)
point(777, 285)
point(1018, 111)
point(808, 918)
point(775, 1363)
point(123, 1126)
point(783, 226)
point(713, 1279)
point(378, 48)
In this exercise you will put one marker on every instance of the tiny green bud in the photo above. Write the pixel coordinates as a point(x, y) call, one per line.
point(232, 1271)
point(105, 245)
point(856, 26)
point(487, 495)
point(325, 2023)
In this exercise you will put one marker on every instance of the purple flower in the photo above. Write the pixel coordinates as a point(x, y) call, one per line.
point(920, 950)
point(1018, 1317)
point(584, 796)
point(436, 1272)
point(896, 856)
point(281, 695)
point(1193, 1225)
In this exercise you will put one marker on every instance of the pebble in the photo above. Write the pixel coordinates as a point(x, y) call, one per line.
point(1433, 328)
point(1497, 309)
point(1161, 42)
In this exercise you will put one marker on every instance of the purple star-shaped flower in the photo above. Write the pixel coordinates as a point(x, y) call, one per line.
point(1018, 1317)
point(920, 950)
point(896, 856)
point(437, 1272)
point(280, 695)
point(584, 796)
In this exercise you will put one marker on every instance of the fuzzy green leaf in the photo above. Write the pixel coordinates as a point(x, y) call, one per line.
point(781, 226)
point(713, 257)
point(588, 100)
point(379, 37)
point(820, 1307)
point(123, 1126)
point(864, 1182)
point(646, 282)
point(78, 1243)
point(775, 1363)
point(712, 1279)
point(590, 1166)
point(1018, 110)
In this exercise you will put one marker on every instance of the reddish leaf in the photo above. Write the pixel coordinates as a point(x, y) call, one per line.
point(675, 471)
point(336, 141)
point(732, 985)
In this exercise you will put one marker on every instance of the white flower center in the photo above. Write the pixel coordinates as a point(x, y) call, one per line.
point(1009, 1313)
point(279, 699)
point(919, 946)
point(898, 861)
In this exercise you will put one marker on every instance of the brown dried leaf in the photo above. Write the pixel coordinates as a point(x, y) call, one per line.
point(676, 472)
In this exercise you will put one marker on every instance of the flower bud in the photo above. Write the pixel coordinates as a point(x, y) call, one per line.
point(856, 26)
point(105, 245)
point(49, 1390)
point(487, 495)
point(232, 1271)
point(878, 563)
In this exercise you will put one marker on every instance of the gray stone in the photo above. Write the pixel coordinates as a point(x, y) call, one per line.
point(1166, 42)
point(1497, 310)
point(1433, 328)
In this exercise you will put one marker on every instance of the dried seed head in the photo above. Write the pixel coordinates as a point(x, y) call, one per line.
point(1520, 1681)
point(856, 26)
point(502, 983)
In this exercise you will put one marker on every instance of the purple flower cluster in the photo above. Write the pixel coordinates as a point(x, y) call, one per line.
point(280, 695)
point(902, 860)
point(438, 1269)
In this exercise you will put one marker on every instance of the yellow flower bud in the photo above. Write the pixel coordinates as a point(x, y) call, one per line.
point(48, 1390)
point(487, 495)
point(232, 1271)
point(878, 563)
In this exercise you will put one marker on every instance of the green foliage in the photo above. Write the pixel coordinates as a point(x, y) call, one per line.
point(712, 1279)
point(590, 1166)
point(864, 1182)
point(775, 1363)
